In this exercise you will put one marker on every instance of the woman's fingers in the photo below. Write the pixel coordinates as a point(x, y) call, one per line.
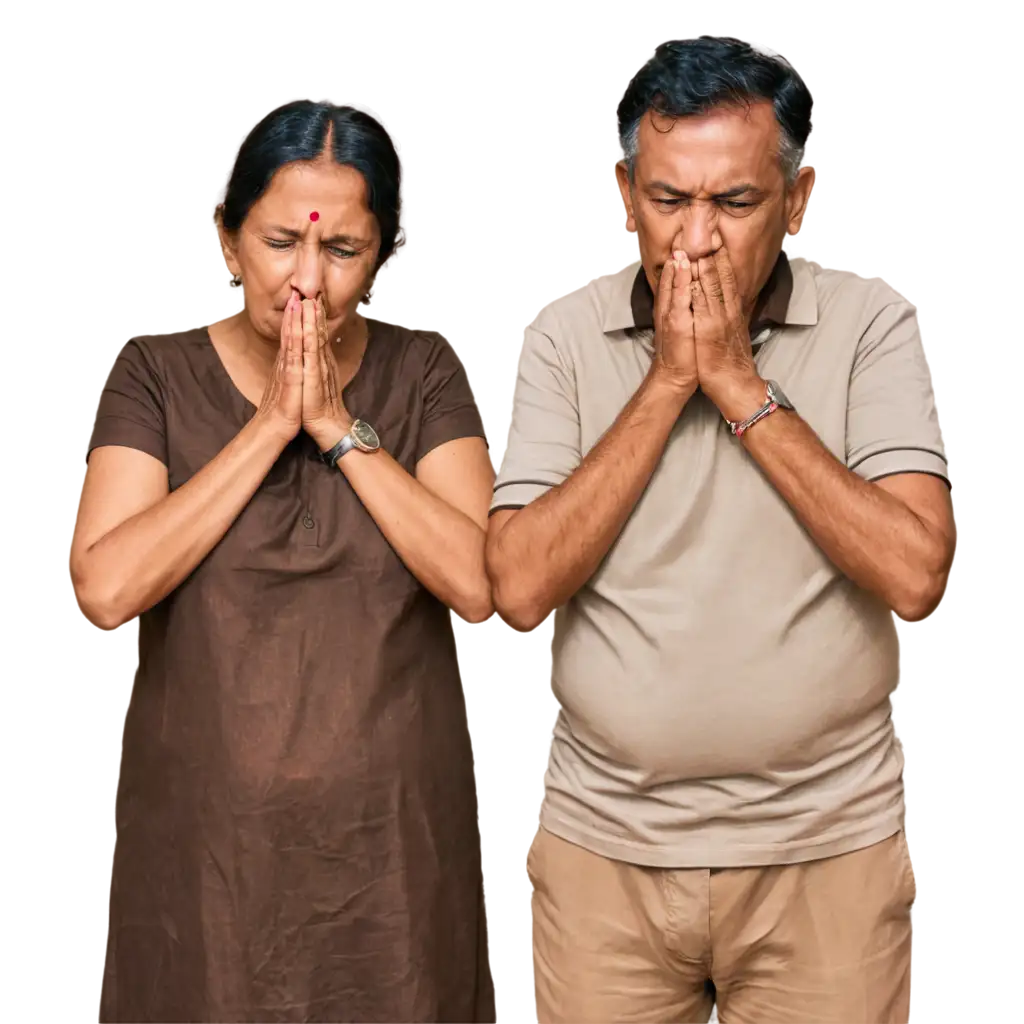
point(321, 320)
point(291, 334)
point(309, 338)
point(292, 377)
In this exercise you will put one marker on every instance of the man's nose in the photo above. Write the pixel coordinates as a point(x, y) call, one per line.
point(695, 234)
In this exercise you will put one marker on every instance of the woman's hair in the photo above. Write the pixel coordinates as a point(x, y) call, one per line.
point(300, 131)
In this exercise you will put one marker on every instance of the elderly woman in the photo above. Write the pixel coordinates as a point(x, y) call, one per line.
point(291, 500)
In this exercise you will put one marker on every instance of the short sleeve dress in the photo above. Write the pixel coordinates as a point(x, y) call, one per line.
point(297, 830)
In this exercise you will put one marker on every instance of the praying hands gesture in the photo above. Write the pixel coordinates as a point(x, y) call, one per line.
point(725, 360)
point(302, 391)
point(701, 333)
point(324, 416)
point(675, 356)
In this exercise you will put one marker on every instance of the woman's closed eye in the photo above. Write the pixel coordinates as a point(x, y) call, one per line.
point(283, 245)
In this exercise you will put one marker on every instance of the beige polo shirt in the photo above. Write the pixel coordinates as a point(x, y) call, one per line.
point(724, 688)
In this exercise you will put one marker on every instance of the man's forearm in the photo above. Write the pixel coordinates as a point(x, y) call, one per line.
point(872, 536)
point(540, 556)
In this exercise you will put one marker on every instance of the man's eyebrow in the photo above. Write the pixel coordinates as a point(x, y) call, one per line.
point(333, 240)
point(732, 193)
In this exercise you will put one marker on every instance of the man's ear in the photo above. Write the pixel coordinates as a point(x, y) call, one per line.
point(619, 176)
point(797, 196)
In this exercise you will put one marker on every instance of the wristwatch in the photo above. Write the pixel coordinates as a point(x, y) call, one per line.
point(360, 435)
point(775, 398)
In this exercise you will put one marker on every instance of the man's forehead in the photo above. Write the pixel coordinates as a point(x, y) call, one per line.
point(729, 143)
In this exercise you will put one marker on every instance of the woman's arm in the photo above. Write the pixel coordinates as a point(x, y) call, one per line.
point(134, 542)
point(436, 520)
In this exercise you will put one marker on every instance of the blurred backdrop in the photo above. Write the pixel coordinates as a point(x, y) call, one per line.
point(116, 122)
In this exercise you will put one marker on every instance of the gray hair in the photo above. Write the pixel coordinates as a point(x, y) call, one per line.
point(790, 153)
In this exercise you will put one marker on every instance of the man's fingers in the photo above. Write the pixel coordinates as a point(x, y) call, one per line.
point(701, 309)
point(681, 313)
point(683, 273)
point(710, 281)
point(663, 303)
point(726, 278)
point(727, 283)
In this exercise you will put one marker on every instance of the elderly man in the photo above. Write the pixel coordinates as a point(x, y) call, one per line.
point(725, 471)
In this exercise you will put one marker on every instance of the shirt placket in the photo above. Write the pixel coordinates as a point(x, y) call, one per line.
point(309, 526)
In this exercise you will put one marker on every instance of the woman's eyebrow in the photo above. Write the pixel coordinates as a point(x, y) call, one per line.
point(333, 240)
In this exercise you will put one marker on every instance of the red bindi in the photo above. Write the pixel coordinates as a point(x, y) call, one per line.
point(314, 216)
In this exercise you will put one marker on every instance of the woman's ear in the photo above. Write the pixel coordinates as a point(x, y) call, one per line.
point(226, 252)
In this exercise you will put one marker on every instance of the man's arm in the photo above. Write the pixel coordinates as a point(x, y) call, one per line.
point(539, 556)
point(894, 537)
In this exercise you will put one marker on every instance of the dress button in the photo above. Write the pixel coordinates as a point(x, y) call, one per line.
point(307, 521)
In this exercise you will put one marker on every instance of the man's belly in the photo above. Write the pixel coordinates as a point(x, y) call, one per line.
point(711, 698)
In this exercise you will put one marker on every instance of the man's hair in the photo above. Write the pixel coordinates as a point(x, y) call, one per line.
point(693, 76)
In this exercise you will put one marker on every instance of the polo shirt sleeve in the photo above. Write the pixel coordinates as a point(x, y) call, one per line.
point(892, 425)
point(544, 437)
point(131, 408)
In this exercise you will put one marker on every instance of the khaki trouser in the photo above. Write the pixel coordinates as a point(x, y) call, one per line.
point(824, 941)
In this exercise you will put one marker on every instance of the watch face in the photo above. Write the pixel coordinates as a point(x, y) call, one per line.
point(776, 394)
point(365, 436)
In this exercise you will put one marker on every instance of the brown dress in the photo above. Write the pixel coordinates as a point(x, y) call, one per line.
point(296, 816)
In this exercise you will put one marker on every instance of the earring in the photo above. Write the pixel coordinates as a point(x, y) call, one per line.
point(233, 279)
point(365, 300)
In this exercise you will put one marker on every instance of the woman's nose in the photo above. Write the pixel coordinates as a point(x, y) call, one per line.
point(308, 276)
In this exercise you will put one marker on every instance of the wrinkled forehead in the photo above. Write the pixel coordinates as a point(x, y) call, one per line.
point(710, 152)
point(333, 191)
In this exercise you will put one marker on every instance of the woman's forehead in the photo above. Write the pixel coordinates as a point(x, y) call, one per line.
point(328, 188)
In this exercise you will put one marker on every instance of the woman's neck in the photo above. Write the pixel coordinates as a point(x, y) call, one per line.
point(243, 344)
point(235, 332)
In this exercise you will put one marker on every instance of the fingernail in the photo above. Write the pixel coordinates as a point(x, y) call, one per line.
point(678, 256)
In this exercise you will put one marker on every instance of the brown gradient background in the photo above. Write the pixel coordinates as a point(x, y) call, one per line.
point(115, 124)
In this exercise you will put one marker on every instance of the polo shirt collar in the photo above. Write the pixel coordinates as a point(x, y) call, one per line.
point(788, 298)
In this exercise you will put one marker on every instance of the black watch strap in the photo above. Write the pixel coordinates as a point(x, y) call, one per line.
point(345, 445)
